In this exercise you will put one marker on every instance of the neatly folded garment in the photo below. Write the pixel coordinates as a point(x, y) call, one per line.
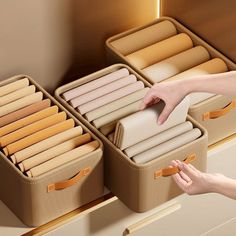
point(160, 51)
point(54, 151)
point(144, 37)
point(46, 144)
point(143, 124)
point(176, 64)
point(85, 88)
point(24, 112)
point(32, 128)
point(117, 104)
point(28, 120)
point(167, 146)
point(106, 89)
point(101, 101)
point(118, 114)
point(109, 128)
point(63, 159)
point(158, 139)
point(38, 136)
point(17, 95)
point(13, 86)
point(213, 66)
point(20, 103)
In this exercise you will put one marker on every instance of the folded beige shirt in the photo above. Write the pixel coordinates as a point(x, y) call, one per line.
point(13, 86)
point(144, 37)
point(160, 51)
point(143, 124)
point(115, 105)
point(63, 159)
point(46, 144)
point(167, 146)
point(176, 64)
point(54, 151)
point(118, 114)
point(158, 139)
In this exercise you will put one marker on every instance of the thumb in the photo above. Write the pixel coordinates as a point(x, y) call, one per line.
point(149, 98)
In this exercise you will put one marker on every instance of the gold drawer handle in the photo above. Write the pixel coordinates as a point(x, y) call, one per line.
point(173, 169)
point(218, 113)
point(166, 210)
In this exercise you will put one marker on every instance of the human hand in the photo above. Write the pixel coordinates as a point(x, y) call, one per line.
point(191, 180)
point(171, 92)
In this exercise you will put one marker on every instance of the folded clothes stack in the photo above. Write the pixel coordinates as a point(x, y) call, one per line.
point(34, 134)
point(119, 118)
point(162, 53)
point(107, 99)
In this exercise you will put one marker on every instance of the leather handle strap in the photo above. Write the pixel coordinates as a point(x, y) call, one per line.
point(69, 182)
point(173, 169)
point(218, 113)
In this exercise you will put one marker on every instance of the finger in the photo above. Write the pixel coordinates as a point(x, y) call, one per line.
point(188, 171)
point(165, 114)
point(184, 176)
point(148, 98)
point(180, 181)
point(174, 163)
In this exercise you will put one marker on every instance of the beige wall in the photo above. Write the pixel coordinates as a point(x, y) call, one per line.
point(213, 20)
point(55, 41)
point(36, 39)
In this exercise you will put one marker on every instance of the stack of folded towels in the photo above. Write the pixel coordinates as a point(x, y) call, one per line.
point(111, 103)
point(164, 54)
point(35, 135)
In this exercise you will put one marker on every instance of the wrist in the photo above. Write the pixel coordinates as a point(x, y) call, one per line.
point(216, 182)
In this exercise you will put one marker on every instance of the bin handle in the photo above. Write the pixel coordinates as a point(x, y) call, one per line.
point(69, 182)
point(218, 113)
point(165, 172)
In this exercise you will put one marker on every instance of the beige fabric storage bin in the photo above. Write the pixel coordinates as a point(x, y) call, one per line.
point(138, 185)
point(32, 199)
point(217, 114)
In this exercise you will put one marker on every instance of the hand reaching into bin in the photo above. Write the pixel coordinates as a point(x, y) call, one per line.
point(189, 179)
point(173, 92)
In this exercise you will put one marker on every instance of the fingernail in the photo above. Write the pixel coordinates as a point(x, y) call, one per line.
point(159, 122)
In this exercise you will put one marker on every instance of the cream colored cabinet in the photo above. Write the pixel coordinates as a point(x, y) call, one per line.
point(185, 215)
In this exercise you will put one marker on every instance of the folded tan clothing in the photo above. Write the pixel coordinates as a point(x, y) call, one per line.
point(17, 95)
point(38, 136)
point(118, 114)
point(160, 51)
point(32, 128)
point(46, 144)
point(63, 159)
point(158, 139)
point(119, 93)
point(176, 64)
point(213, 66)
point(143, 124)
point(109, 128)
point(24, 112)
point(20, 103)
point(54, 151)
point(13, 86)
point(167, 146)
point(117, 104)
point(85, 88)
point(106, 89)
point(144, 37)
point(28, 120)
